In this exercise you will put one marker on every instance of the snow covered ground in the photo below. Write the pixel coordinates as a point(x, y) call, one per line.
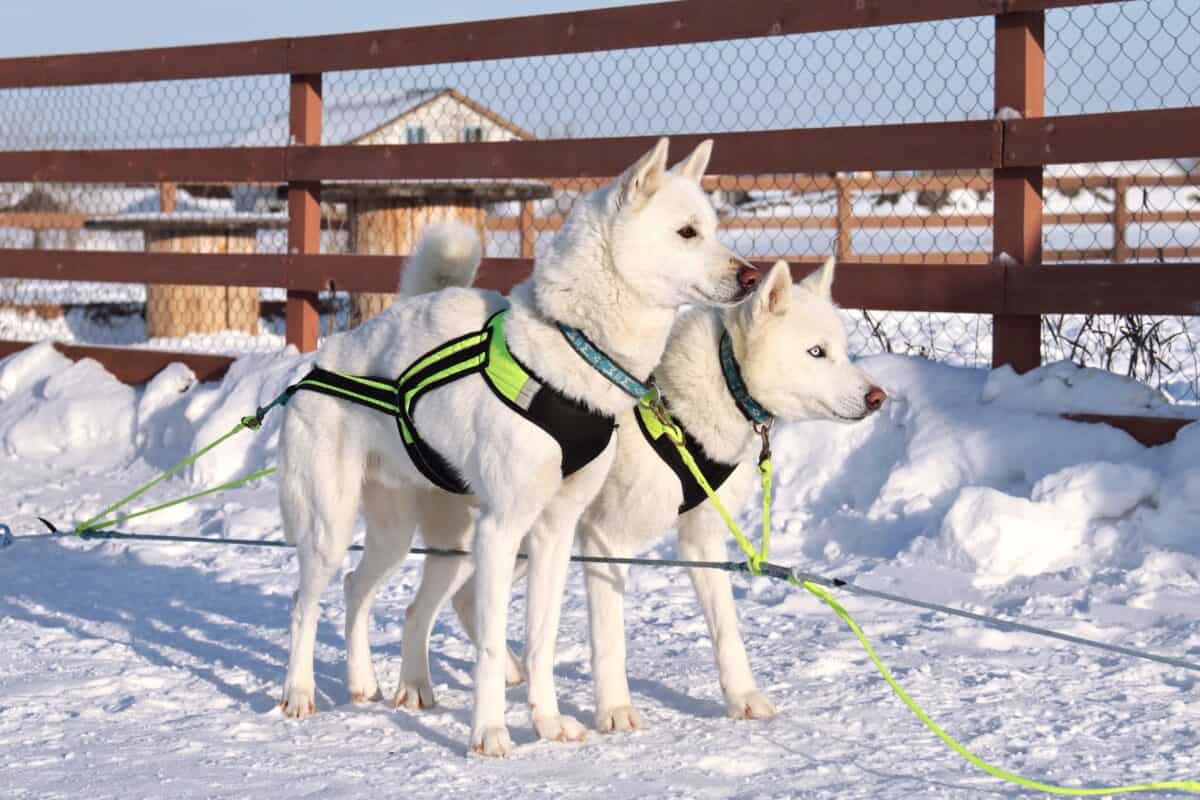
point(153, 671)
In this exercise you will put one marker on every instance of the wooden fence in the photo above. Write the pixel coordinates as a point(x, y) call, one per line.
point(1016, 150)
point(843, 222)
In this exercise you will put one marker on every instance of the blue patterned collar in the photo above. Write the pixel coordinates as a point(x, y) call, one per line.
point(749, 407)
point(602, 363)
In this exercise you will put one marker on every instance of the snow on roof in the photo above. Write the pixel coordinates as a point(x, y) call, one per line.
point(74, 197)
point(347, 117)
point(149, 203)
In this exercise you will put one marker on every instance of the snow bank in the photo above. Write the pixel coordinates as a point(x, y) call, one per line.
point(51, 408)
point(975, 471)
point(964, 469)
point(1065, 387)
point(78, 414)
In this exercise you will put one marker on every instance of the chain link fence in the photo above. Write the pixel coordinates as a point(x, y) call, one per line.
point(1125, 56)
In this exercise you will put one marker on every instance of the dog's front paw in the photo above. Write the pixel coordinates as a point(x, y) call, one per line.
point(298, 703)
point(364, 688)
point(366, 696)
point(559, 728)
point(618, 719)
point(492, 741)
point(750, 705)
point(414, 696)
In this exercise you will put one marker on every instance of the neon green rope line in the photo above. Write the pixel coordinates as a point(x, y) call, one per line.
point(755, 560)
point(141, 490)
point(755, 557)
point(764, 476)
point(952, 743)
point(262, 473)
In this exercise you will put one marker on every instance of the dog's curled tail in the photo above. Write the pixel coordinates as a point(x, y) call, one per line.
point(447, 254)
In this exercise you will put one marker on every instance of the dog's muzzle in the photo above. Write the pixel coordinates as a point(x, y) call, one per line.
point(748, 276)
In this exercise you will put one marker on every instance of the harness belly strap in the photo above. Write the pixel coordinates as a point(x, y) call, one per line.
point(581, 433)
point(715, 472)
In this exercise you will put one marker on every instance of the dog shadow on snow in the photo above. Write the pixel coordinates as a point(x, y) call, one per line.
point(172, 616)
point(446, 669)
point(232, 636)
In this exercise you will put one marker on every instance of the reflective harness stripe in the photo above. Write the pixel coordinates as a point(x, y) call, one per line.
point(580, 432)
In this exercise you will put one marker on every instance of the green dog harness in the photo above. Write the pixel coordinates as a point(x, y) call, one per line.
point(581, 433)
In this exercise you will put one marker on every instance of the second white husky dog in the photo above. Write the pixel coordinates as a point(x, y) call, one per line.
point(788, 349)
point(627, 258)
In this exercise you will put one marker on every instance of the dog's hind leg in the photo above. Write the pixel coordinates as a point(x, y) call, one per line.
point(464, 608)
point(319, 500)
point(549, 560)
point(606, 612)
point(502, 525)
point(391, 515)
point(445, 523)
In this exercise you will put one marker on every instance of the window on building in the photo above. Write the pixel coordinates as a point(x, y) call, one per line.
point(415, 134)
point(473, 133)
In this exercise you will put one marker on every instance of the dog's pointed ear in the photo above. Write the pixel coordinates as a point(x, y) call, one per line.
point(821, 281)
point(774, 295)
point(645, 177)
point(696, 163)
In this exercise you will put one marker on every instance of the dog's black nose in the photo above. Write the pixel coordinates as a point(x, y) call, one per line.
point(748, 277)
point(875, 397)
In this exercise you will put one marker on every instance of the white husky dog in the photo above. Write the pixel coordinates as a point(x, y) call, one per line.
point(627, 258)
point(789, 346)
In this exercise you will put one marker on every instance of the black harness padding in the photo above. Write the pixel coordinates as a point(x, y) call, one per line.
point(715, 472)
point(581, 433)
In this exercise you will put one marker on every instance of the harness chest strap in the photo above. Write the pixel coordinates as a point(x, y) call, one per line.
point(670, 430)
point(715, 472)
point(700, 476)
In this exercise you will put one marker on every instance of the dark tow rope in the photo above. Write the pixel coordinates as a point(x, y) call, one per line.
point(767, 569)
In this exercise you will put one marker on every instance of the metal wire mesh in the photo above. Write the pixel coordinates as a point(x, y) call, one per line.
point(1125, 56)
point(899, 74)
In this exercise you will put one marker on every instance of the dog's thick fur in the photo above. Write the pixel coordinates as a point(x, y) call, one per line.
point(618, 271)
point(774, 334)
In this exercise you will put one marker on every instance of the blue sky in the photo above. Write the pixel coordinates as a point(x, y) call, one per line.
point(43, 27)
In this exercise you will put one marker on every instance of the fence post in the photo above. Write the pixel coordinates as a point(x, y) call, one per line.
point(1120, 220)
point(528, 233)
point(1017, 220)
point(845, 213)
point(168, 194)
point(304, 210)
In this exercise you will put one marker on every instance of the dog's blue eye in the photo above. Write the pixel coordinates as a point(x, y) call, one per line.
point(817, 352)
point(687, 232)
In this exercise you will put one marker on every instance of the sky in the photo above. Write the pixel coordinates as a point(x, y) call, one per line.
point(48, 27)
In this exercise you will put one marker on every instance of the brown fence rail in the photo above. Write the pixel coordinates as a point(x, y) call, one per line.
point(1005, 156)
